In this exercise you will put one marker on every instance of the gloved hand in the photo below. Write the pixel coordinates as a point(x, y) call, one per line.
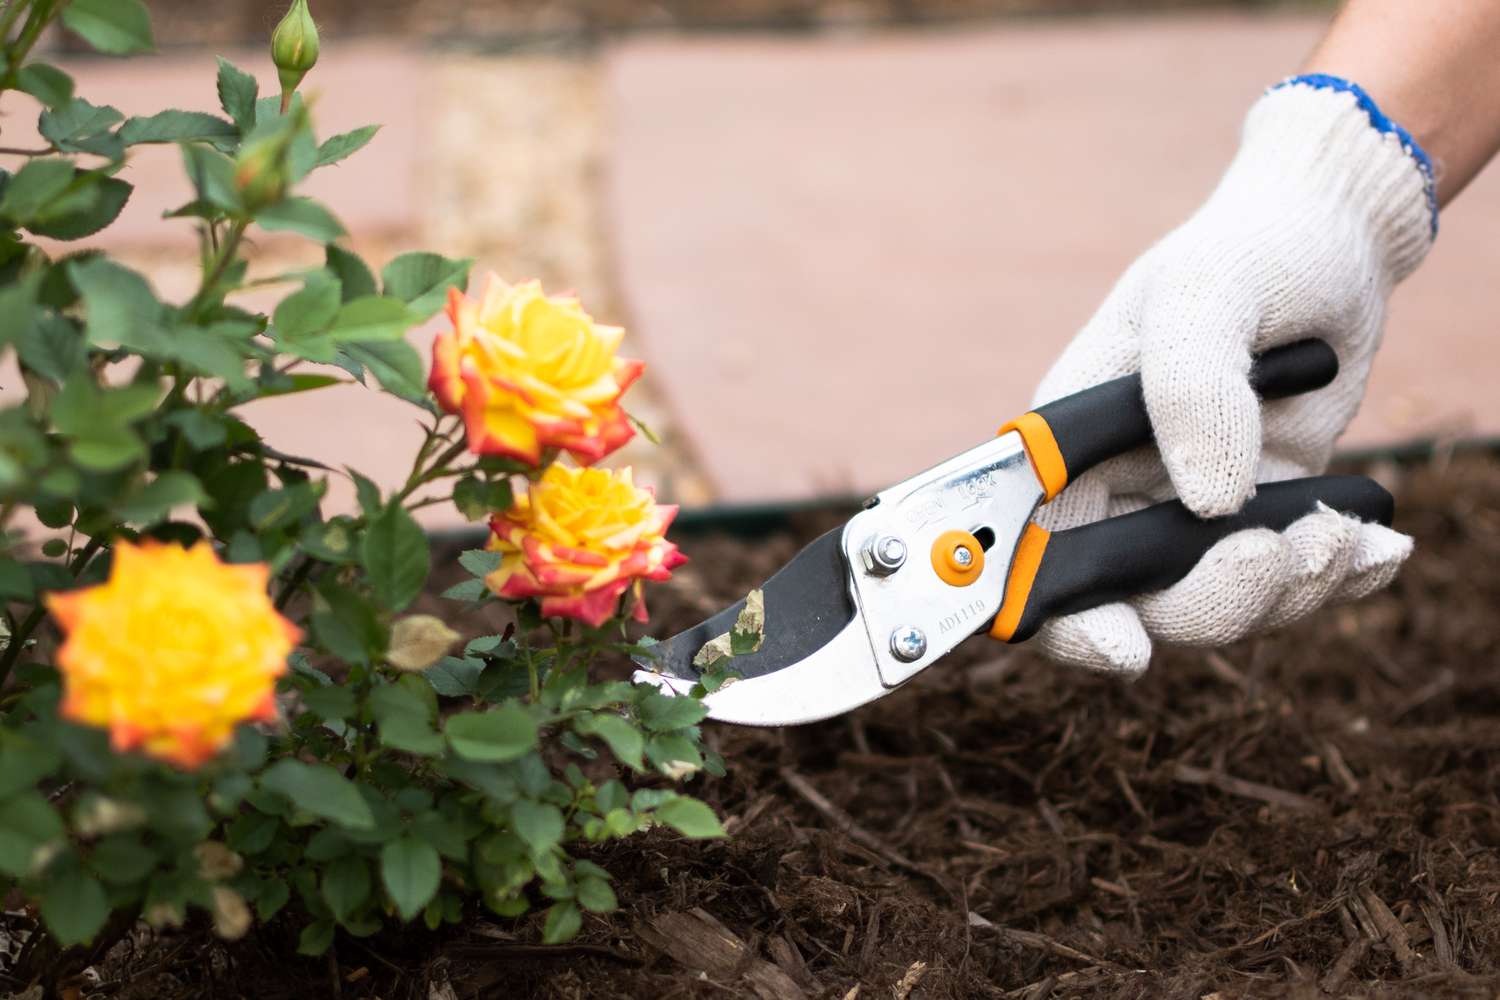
point(1325, 208)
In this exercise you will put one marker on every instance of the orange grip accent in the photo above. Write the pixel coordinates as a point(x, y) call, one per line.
point(1028, 559)
point(1041, 448)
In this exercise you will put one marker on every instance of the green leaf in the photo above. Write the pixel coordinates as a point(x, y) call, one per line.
point(396, 364)
point(253, 831)
point(302, 318)
point(237, 93)
point(405, 720)
point(689, 817)
point(477, 499)
point(98, 421)
point(74, 906)
point(411, 870)
point(662, 713)
point(344, 144)
point(346, 884)
point(453, 677)
point(122, 859)
point(303, 216)
point(480, 562)
point(47, 84)
point(316, 938)
point(106, 199)
point(156, 500)
point(119, 305)
point(81, 127)
point(34, 187)
point(202, 430)
point(115, 27)
point(468, 590)
point(18, 307)
point(274, 893)
point(332, 702)
point(212, 176)
point(540, 824)
point(27, 822)
point(320, 790)
point(625, 741)
point(596, 896)
point(501, 734)
point(370, 318)
point(52, 346)
point(563, 922)
point(346, 625)
point(422, 280)
point(353, 274)
point(176, 126)
point(394, 551)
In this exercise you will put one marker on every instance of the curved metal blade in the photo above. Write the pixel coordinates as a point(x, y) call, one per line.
point(839, 676)
point(807, 604)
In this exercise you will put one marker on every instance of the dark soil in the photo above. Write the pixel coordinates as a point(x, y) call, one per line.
point(1311, 814)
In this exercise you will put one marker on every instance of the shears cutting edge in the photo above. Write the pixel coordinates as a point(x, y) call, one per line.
point(953, 551)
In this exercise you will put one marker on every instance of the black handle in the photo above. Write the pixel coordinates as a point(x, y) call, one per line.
point(1110, 419)
point(1120, 557)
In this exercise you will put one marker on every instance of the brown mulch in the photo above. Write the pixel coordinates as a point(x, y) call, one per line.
point(1312, 814)
point(489, 22)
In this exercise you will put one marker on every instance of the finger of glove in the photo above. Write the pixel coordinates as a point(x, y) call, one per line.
point(1378, 557)
point(1195, 366)
point(1225, 596)
point(1107, 639)
point(1324, 544)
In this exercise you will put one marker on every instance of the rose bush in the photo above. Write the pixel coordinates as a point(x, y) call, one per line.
point(214, 694)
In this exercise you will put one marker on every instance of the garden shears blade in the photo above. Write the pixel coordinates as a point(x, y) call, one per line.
point(952, 552)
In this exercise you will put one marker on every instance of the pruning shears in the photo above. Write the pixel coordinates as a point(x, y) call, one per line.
point(953, 552)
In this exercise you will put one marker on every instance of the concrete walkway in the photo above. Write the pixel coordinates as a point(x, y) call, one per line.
point(850, 258)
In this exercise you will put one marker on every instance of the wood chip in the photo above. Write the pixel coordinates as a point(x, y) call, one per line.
point(1189, 775)
point(914, 974)
point(697, 940)
point(1349, 958)
point(1390, 928)
point(1442, 947)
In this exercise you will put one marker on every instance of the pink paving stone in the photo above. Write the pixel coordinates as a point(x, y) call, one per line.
point(355, 84)
point(848, 259)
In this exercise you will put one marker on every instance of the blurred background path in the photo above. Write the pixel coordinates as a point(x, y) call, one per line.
point(845, 251)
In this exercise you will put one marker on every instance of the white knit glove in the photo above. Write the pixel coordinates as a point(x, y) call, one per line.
point(1325, 208)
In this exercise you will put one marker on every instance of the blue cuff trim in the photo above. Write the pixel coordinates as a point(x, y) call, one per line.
point(1381, 123)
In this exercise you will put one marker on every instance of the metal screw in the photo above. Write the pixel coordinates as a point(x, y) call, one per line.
point(908, 643)
point(963, 556)
point(884, 555)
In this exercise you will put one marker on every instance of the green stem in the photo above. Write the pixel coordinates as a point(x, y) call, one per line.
point(436, 470)
point(22, 635)
point(42, 12)
point(219, 264)
point(8, 19)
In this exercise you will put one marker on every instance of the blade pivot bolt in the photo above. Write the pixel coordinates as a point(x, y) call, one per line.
point(884, 554)
point(963, 556)
point(908, 643)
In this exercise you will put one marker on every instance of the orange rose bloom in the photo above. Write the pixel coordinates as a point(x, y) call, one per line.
point(173, 652)
point(527, 372)
point(578, 539)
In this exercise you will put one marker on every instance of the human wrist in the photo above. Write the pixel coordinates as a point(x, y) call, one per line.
point(1319, 147)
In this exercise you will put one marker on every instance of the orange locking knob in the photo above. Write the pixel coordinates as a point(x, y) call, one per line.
point(958, 558)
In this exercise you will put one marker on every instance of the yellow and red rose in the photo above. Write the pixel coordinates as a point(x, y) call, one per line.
point(528, 371)
point(172, 652)
point(580, 538)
